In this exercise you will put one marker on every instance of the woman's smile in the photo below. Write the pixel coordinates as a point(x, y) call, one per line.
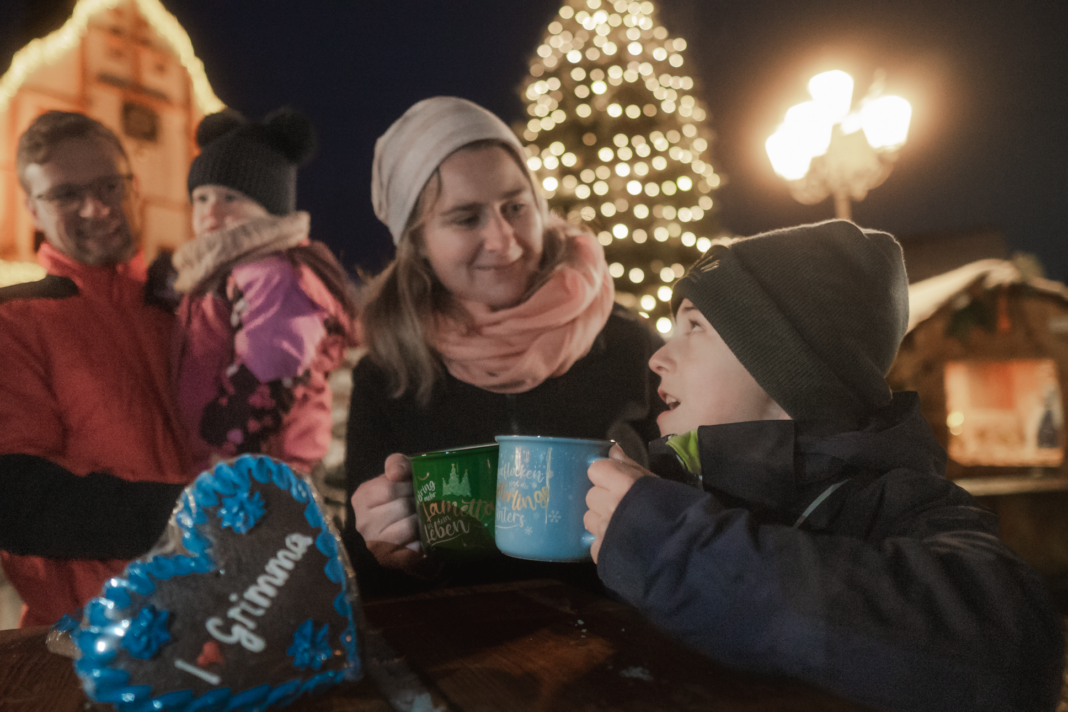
point(483, 236)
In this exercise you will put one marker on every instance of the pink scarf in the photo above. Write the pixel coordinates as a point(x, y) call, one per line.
point(514, 350)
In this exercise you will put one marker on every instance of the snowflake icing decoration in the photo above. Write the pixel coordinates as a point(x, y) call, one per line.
point(147, 633)
point(241, 511)
point(310, 649)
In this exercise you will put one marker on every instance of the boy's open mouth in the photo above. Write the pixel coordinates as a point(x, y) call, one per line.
point(671, 401)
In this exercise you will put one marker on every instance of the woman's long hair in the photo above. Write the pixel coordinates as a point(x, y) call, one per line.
point(402, 303)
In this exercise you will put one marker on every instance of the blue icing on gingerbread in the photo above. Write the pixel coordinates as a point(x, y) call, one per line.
point(110, 617)
point(66, 622)
point(204, 494)
point(213, 701)
point(134, 694)
point(341, 605)
point(261, 470)
point(310, 649)
point(285, 693)
point(241, 511)
point(118, 596)
point(137, 578)
point(173, 700)
point(311, 514)
point(300, 491)
point(334, 571)
point(326, 543)
point(320, 682)
point(147, 633)
point(249, 699)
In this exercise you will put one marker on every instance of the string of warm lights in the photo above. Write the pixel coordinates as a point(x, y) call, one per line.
point(617, 139)
point(171, 30)
point(49, 49)
point(19, 272)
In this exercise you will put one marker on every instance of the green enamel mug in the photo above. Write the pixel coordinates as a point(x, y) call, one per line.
point(455, 495)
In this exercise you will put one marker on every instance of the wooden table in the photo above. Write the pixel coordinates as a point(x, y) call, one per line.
point(530, 646)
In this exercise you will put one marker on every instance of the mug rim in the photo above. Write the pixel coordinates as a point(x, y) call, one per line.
point(553, 438)
point(445, 452)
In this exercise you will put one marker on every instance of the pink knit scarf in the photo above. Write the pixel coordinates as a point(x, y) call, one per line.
point(514, 350)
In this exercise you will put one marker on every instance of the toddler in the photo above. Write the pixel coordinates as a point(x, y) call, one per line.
point(266, 313)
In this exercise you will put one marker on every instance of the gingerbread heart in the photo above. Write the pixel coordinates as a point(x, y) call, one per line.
point(247, 603)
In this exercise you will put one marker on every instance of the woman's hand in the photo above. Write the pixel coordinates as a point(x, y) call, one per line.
point(612, 479)
point(386, 517)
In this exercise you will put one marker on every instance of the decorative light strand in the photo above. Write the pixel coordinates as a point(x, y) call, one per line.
point(52, 47)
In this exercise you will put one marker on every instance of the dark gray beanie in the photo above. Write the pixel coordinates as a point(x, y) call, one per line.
point(257, 159)
point(815, 313)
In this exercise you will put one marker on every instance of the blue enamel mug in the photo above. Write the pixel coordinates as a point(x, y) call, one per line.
point(541, 496)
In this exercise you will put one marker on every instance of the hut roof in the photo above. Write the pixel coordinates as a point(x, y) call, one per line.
point(927, 296)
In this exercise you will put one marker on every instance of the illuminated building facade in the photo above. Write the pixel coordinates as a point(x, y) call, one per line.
point(130, 65)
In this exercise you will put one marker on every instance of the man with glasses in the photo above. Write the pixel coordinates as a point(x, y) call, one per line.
point(92, 453)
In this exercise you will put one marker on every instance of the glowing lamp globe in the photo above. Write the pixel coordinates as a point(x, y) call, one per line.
point(886, 122)
point(832, 92)
point(820, 149)
point(788, 157)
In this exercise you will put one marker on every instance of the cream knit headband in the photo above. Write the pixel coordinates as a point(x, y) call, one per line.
point(409, 152)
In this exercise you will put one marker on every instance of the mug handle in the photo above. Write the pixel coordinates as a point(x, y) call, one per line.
point(587, 537)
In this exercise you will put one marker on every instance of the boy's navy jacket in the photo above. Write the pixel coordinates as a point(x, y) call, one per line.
point(894, 592)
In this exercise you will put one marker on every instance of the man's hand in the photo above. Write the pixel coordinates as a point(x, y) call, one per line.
point(612, 479)
point(386, 517)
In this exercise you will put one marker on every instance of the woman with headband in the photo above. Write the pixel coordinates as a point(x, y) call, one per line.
point(494, 318)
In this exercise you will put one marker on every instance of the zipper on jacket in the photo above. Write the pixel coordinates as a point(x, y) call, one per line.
point(818, 501)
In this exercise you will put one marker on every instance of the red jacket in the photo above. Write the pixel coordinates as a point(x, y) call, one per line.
point(85, 382)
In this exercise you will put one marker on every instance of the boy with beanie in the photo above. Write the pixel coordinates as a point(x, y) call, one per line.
point(823, 542)
point(266, 312)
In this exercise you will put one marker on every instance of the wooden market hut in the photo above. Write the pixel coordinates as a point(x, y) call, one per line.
point(130, 65)
point(987, 350)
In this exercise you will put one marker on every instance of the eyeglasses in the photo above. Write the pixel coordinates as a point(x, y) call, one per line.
point(68, 198)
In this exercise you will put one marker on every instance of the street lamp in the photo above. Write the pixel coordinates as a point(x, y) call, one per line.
point(823, 148)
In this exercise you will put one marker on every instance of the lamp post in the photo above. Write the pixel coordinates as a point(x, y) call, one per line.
point(824, 148)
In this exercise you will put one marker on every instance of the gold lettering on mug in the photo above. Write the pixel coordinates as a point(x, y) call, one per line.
point(445, 520)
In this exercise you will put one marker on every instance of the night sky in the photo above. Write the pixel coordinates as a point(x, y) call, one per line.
point(988, 81)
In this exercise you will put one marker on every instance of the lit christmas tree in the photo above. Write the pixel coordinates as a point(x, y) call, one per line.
point(618, 140)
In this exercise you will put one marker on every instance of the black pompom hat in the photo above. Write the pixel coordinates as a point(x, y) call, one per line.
point(257, 159)
point(815, 313)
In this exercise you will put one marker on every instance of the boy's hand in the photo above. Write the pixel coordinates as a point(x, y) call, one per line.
point(612, 478)
point(386, 518)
